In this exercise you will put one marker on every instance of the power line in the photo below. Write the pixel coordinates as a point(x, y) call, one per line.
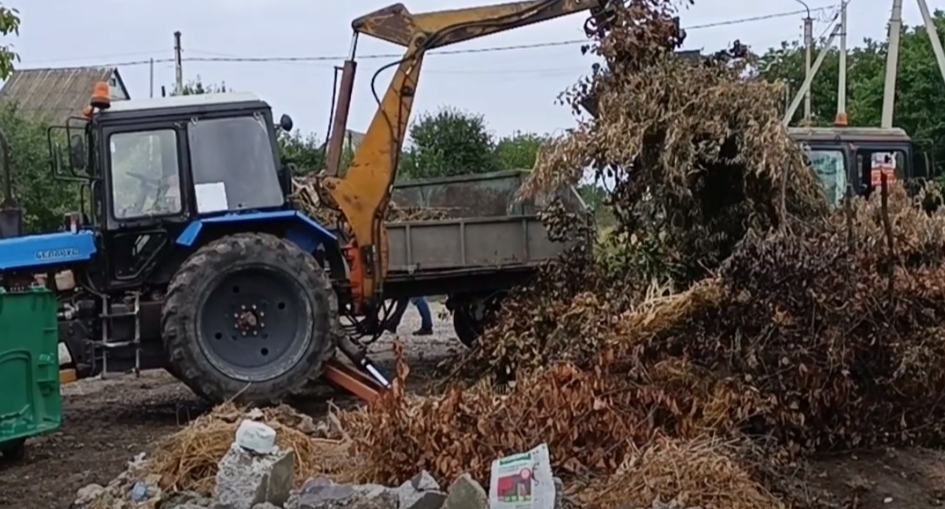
point(491, 49)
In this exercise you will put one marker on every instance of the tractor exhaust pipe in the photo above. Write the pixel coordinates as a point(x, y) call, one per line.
point(11, 215)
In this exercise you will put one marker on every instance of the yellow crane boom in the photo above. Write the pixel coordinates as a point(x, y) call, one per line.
point(363, 192)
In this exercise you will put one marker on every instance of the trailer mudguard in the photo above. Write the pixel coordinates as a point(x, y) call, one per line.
point(301, 230)
point(38, 252)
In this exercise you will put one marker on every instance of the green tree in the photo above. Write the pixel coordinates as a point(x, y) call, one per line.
point(447, 143)
point(920, 105)
point(306, 152)
point(9, 24)
point(786, 64)
point(44, 200)
point(518, 151)
point(197, 86)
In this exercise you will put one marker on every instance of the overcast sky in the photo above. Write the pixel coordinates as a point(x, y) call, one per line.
point(515, 88)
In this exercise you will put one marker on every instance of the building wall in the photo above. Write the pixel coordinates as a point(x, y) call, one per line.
point(118, 94)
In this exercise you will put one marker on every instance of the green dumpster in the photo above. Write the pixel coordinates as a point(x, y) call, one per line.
point(30, 403)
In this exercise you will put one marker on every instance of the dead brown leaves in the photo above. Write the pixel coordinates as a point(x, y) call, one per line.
point(802, 329)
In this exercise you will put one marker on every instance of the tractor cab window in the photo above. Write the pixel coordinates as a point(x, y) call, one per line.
point(831, 168)
point(234, 164)
point(875, 164)
point(144, 174)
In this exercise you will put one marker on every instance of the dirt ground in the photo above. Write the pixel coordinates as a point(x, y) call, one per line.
point(107, 422)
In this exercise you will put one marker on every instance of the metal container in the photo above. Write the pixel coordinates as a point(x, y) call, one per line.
point(30, 403)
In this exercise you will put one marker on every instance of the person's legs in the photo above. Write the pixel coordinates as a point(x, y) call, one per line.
point(426, 319)
point(393, 321)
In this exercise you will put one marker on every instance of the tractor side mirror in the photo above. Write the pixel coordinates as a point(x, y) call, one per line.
point(285, 123)
point(78, 154)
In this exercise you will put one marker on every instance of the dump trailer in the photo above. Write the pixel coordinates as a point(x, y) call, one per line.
point(488, 241)
point(190, 255)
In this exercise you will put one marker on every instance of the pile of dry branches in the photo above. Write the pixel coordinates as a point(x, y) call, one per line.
point(306, 197)
point(732, 302)
point(187, 460)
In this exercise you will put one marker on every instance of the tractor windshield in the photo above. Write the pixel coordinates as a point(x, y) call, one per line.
point(831, 168)
point(234, 164)
point(144, 174)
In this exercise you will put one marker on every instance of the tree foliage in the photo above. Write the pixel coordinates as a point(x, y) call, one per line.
point(43, 199)
point(920, 105)
point(9, 24)
point(519, 151)
point(446, 143)
point(452, 142)
point(197, 86)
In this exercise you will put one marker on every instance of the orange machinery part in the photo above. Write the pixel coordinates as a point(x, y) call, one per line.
point(351, 380)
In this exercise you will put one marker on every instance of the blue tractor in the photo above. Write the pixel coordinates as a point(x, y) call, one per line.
point(188, 255)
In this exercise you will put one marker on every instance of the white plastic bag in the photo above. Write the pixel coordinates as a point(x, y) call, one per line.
point(523, 481)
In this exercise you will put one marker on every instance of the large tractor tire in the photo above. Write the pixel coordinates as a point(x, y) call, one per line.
point(249, 318)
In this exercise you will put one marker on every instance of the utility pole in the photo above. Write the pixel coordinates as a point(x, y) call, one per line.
point(841, 120)
point(796, 102)
point(808, 44)
point(892, 64)
point(178, 64)
point(151, 67)
point(933, 37)
point(892, 55)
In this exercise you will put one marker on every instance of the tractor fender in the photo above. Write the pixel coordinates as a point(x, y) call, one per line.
point(303, 231)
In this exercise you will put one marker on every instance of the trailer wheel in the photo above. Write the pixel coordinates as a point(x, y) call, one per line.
point(14, 451)
point(467, 328)
point(250, 318)
point(471, 315)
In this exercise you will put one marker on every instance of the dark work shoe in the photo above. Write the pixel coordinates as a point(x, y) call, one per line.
point(423, 332)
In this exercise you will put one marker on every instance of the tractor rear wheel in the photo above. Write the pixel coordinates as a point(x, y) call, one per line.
point(251, 318)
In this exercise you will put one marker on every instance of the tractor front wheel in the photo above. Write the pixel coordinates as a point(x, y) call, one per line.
point(250, 318)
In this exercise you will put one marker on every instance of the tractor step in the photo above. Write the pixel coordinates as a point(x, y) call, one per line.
point(105, 344)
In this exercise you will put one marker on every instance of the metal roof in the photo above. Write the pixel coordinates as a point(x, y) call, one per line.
point(183, 101)
point(53, 95)
point(891, 134)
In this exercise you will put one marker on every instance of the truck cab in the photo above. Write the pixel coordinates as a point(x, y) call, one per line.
point(857, 157)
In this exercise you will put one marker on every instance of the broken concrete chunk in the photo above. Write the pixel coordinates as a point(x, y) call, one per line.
point(88, 494)
point(266, 505)
point(322, 493)
point(420, 492)
point(466, 493)
point(245, 479)
point(256, 437)
point(183, 499)
point(424, 482)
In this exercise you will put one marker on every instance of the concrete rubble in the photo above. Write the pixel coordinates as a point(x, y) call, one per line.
point(256, 474)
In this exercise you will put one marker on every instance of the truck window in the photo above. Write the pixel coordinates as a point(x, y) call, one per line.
point(831, 168)
point(144, 171)
point(234, 165)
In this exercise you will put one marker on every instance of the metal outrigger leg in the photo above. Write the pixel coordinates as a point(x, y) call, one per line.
point(364, 380)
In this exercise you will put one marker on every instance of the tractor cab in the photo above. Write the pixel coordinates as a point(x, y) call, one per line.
point(858, 158)
point(156, 167)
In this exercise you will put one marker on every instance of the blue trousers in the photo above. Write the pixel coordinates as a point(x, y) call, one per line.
point(426, 319)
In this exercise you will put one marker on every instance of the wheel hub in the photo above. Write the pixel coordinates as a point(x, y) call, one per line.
point(251, 323)
point(249, 320)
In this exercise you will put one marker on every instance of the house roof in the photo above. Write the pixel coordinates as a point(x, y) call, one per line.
point(53, 95)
